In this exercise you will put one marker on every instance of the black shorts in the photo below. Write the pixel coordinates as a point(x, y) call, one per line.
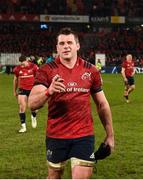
point(23, 92)
point(131, 81)
point(59, 150)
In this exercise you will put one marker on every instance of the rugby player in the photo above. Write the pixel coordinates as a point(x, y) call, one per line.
point(128, 71)
point(66, 84)
point(23, 81)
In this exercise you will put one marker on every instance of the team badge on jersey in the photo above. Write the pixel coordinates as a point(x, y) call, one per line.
point(86, 75)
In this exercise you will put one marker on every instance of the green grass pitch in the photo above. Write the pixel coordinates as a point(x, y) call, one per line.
point(23, 156)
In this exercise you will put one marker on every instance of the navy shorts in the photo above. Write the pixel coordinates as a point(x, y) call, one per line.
point(59, 150)
point(23, 92)
point(131, 81)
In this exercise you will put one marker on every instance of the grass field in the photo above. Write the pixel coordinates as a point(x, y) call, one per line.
point(23, 155)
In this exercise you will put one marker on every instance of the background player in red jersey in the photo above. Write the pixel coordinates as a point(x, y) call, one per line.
point(66, 84)
point(128, 71)
point(24, 75)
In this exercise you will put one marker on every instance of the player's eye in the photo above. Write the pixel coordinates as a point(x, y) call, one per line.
point(69, 42)
point(61, 43)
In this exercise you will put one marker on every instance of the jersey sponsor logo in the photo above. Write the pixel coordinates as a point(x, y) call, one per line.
point(29, 71)
point(26, 76)
point(74, 89)
point(20, 72)
point(86, 75)
point(72, 84)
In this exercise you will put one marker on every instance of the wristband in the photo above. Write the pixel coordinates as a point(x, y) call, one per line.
point(47, 92)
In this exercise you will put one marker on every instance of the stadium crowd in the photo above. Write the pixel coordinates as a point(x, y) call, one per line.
point(29, 39)
point(115, 44)
point(80, 7)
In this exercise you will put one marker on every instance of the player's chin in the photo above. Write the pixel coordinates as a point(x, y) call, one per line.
point(67, 57)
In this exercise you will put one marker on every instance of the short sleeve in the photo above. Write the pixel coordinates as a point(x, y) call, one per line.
point(15, 71)
point(35, 69)
point(123, 64)
point(96, 81)
point(42, 77)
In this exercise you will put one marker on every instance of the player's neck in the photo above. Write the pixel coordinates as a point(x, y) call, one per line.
point(69, 63)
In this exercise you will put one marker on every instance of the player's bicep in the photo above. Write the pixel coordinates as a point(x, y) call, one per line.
point(123, 70)
point(37, 89)
point(15, 79)
point(99, 98)
point(37, 97)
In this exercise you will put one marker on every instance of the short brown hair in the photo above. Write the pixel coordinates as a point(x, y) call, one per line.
point(67, 31)
point(22, 58)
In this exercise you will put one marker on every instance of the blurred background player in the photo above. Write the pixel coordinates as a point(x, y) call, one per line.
point(128, 71)
point(67, 83)
point(22, 84)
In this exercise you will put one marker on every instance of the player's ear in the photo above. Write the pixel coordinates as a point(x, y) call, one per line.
point(57, 47)
point(78, 46)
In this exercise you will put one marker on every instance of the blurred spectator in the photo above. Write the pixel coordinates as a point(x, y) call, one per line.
point(33, 41)
point(75, 7)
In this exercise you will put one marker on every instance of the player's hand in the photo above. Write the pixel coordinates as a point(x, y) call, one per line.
point(126, 81)
point(110, 141)
point(57, 85)
point(15, 94)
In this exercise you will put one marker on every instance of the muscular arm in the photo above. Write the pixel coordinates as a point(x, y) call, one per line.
point(38, 97)
point(105, 116)
point(15, 85)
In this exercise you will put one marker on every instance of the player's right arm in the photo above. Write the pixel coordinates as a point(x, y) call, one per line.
point(37, 97)
point(40, 93)
point(123, 74)
point(15, 85)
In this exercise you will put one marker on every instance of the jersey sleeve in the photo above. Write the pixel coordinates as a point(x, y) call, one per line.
point(42, 77)
point(96, 81)
point(123, 64)
point(35, 69)
point(15, 71)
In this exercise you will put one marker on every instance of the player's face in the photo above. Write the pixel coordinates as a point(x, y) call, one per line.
point(67, 46)
point(129, 57)
point(24, 63)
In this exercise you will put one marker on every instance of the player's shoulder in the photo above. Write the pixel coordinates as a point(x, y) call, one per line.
point(48, 66)
point(16, 68)
point(88, 65)
point(35, 66)
point(84, 63)
point(124, 62)
point(52, 65)
point(32, 65)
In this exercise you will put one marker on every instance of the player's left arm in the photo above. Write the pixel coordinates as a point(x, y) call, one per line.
point(134, 69)
point(105, 116)
point(15, 85)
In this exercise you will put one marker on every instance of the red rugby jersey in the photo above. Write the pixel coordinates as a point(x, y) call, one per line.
point(129, 67)
point(69, 113)
point(26, 75)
